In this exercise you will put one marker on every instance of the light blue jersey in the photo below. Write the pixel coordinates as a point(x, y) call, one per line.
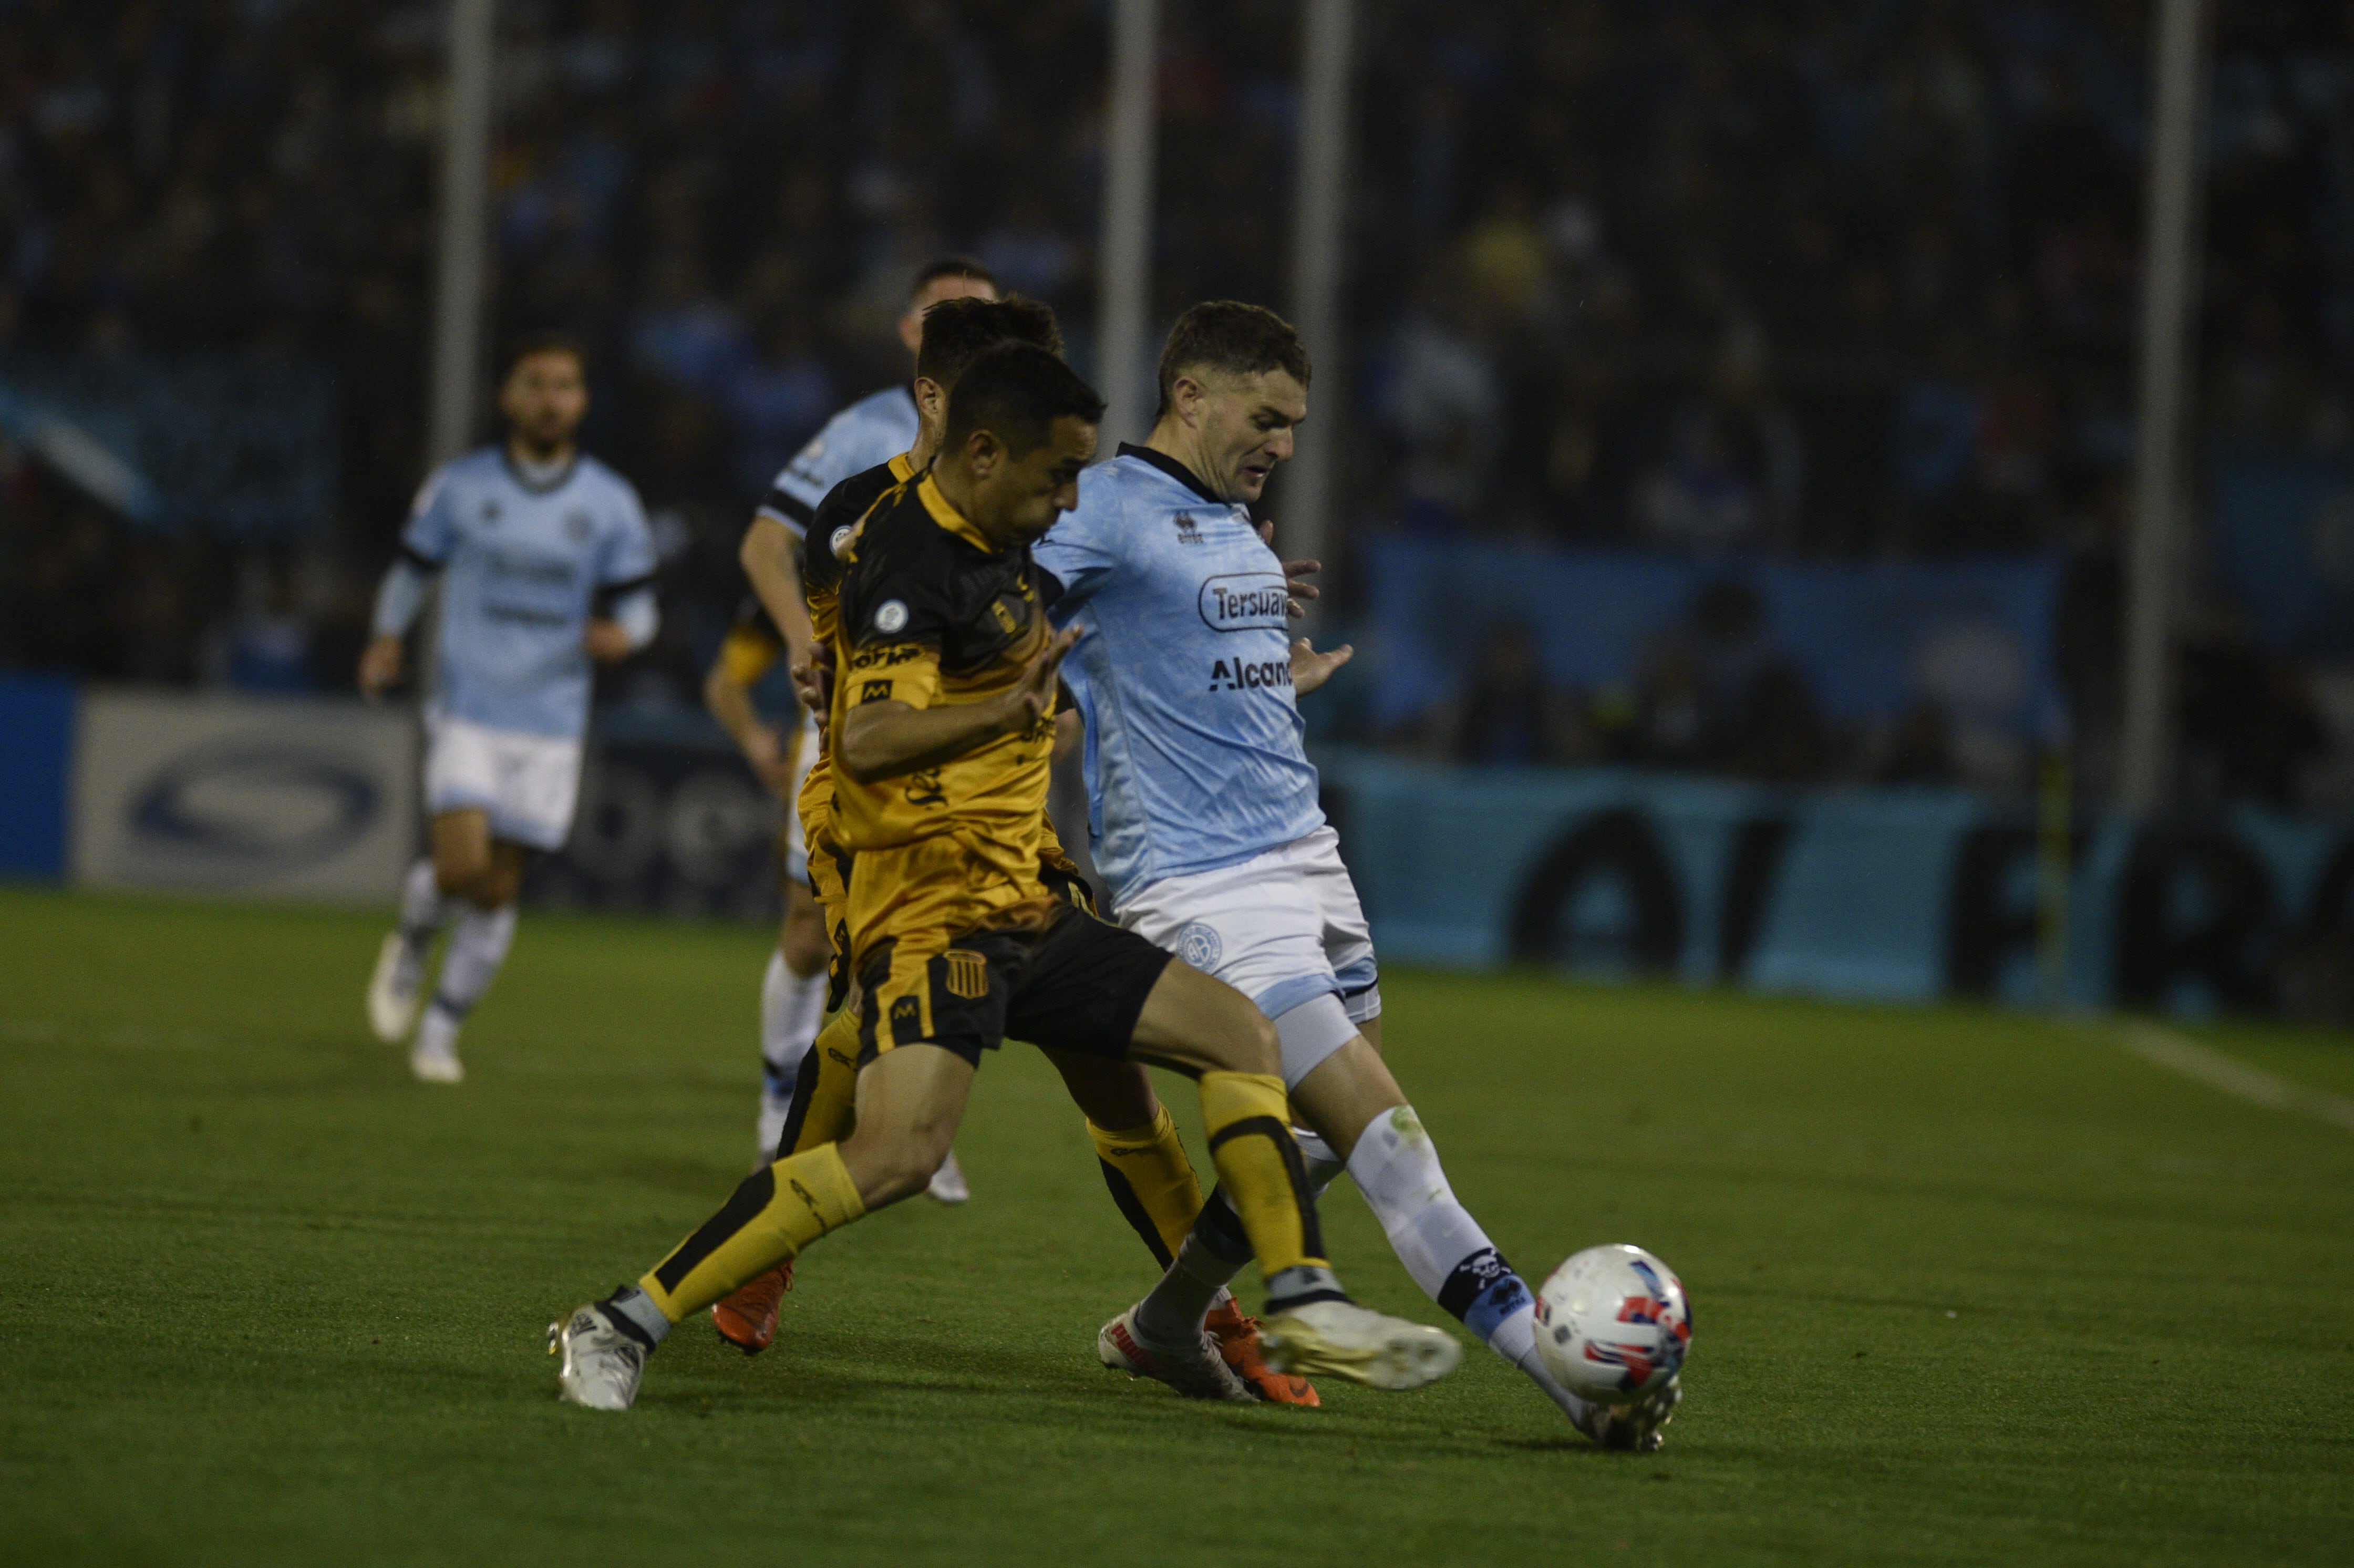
point(1193, 755)
point(867, 434)
point(522, 567)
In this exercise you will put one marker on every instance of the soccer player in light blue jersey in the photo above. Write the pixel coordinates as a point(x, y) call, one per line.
point(1202, 808)
point(866, 435)
point(546, 567)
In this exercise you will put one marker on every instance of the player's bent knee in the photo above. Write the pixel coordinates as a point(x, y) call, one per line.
point(888, 1165)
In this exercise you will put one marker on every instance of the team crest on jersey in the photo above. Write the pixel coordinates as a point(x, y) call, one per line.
point(577, 526)
point(967, 972)
point(1199, 946)
point(841, 538)
point(1188, 530)
point(891, 616)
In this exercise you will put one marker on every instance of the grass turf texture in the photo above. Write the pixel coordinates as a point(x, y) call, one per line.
point(1969, 1287)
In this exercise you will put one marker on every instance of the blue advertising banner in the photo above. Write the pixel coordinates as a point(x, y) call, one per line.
point(1870, 638)
point(2284, 539)
point(1891, 895)
point(36, 741)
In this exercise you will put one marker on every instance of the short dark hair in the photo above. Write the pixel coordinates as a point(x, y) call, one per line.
point(958, 332)
point(941, 267)
point(1233, 337)
point(1016, 391)
point(530, 345)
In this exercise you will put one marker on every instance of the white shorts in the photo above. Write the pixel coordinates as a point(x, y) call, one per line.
point(528, 783)
point(1284, 928)
point(794, 842)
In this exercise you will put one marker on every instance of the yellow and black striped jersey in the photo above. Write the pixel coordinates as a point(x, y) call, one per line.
point(831, 530)
point(931, 613)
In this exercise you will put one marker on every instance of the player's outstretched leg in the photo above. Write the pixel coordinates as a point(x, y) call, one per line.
point(909, 1102)
point(1195, 1023)
point(397, 988)
point(1396, 1167)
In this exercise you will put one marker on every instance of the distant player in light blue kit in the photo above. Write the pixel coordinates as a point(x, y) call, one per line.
point(546, 566)
point(866, 435)
point(1202, 808)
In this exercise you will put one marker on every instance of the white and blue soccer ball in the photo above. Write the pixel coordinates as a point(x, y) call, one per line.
point(1613, 1324)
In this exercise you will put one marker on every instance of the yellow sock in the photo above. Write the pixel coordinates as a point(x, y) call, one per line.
point(1151, 1180)
point(774, 1214)
point(1250, 1123)
point(833, 1097)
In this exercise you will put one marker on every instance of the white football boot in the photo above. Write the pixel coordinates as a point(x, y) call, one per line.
point(428, 1066)
point(1201, 1373)
point(1636, 1428)
point(948, 1183)
point(397, 990)
point(1346, 1340)
point(601, 1364)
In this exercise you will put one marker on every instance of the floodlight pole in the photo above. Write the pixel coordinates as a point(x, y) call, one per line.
point(1124, 298)
point(1320, 216)
point(461, 272)
point(2170, 279)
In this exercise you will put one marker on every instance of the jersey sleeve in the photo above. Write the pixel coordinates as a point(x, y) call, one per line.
point(431, 531)
point(629, 554)
point(794, 498)
point(1077, 553)
point(748, 653)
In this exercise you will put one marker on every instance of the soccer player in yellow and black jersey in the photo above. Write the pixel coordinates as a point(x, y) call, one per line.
point(1139, 1150)
point(943, 708)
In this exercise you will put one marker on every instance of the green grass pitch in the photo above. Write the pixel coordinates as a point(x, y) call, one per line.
point(1968, 1287)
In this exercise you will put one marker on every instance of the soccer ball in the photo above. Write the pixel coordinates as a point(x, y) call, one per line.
point(1613, 1324)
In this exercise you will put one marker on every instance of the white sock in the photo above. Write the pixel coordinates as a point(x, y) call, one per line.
point(478, 945)
point(1396, 1168)
point(422, 906)
point(793, 1006)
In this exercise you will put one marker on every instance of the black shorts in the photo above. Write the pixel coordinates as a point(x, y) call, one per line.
point(1077, 984)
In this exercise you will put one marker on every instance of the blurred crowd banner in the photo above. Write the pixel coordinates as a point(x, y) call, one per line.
point(1886, 893)
point(243, 447)
point(2284, 539)
point(1872, 640)
point(273, 797)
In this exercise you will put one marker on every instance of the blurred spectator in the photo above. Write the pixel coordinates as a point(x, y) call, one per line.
point(1507, 716)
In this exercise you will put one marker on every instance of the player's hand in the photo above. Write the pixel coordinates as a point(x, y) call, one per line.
point(606, 641)
point(1033, 696)
point(1310, 669)
point(764, 751)
point(813, 680)
point(1294, 577)
point(379, 666)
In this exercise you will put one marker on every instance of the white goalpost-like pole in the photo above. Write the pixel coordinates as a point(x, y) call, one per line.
point(1319, 217)
point(461, 272)
point(1124, 250)
point(2169, 280)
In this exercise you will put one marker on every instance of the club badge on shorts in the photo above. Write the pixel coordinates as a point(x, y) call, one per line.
point(1199, 946)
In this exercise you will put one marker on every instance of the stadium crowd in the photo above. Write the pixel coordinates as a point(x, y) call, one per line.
point(1842, 279)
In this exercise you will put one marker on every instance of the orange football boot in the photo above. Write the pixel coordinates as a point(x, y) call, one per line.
point(748, 1320)
point(1237, 1339)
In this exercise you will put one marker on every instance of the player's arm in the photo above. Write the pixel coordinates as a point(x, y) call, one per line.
point(425, 541)
point(728, 693)
point(629, 622)
point(884, 737)
point(768, 554)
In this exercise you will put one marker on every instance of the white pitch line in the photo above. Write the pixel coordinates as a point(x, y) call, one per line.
point(2165, 1048)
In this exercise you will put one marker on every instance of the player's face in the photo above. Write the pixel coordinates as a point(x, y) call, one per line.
point(1247, 423)
point(953, 287)
point(544, 399)
point(1019, 497)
